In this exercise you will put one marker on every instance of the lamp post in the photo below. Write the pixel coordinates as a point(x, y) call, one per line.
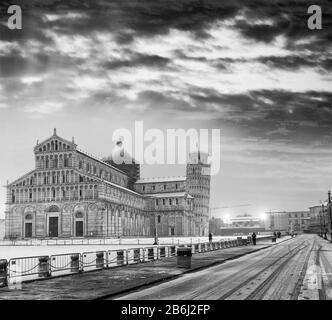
point(323, 223)
point(320, 221)
point(155, 237)
point(329, 212)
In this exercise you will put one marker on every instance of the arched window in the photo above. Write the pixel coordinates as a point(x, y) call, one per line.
point(79, 215)
point(65, 161)
point(159, 219)
point(53, 208)
point(28, 216)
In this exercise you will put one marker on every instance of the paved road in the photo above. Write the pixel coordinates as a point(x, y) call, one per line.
point(296, 269)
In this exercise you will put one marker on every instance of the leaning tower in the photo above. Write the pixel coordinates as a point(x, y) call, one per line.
point(198, 186)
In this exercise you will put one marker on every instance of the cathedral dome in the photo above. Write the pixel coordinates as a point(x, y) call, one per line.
point(119, 154)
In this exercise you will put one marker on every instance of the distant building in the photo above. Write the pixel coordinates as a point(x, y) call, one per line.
point(320, 217)
point(2, 228)
point(288, 221)
point(71, 193)
point(242, 225)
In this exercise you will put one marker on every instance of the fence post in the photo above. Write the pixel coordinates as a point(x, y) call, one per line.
point(43, 267)
point(100, 259)
point(75, 263)
point(3, 272)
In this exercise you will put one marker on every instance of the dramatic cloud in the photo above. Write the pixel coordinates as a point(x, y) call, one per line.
point(252, 68)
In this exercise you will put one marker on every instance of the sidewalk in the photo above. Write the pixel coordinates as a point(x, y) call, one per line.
point(96, 284)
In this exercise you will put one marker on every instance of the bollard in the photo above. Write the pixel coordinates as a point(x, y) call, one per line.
point(43, 267)
point(184, 258)
point(75, 263)
point(100, 260)
point(120, 257)
point(3, 272)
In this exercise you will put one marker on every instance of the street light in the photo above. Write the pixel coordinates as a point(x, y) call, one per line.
point(320, 220)
point(329, 211)
point(323, 222)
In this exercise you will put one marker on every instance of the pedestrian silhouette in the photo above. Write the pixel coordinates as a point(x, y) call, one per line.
point(210, 237)
point(253, 238)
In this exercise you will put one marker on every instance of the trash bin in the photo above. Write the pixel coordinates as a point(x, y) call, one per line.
point(3, 272)
point(43, 267)
point(274, 239)
point(137, 255)
point(162, 252)
point(150, 254)
point(184, 257)
point(119, 257)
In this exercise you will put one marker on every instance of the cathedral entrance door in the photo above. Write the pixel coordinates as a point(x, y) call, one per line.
point(28, 230)
point(53, 227)
point(79, 228)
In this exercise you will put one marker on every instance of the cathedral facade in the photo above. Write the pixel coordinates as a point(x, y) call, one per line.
point(71, 193)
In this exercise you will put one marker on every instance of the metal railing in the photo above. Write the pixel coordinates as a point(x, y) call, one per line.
point(106, 241)
point(25, 269)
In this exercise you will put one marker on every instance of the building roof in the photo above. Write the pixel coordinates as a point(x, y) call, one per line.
point(320, 205)
point(161, 179)
point(123, 188)
point(98, 160)
point(245, 218)
point(169, 195)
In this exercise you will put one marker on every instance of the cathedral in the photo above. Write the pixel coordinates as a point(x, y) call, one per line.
point(71, 193)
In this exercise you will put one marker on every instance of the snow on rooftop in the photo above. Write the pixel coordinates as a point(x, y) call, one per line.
point(168, 195)
point(161, 179)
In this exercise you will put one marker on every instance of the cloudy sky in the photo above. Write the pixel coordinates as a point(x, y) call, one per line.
point(251, 68)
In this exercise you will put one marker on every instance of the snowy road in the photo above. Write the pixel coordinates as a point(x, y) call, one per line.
point(287, 271)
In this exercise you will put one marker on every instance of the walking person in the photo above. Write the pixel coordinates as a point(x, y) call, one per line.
point(253, 238)
point(210, 237)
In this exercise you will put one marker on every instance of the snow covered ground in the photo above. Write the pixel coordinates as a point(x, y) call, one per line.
point(49, 247)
